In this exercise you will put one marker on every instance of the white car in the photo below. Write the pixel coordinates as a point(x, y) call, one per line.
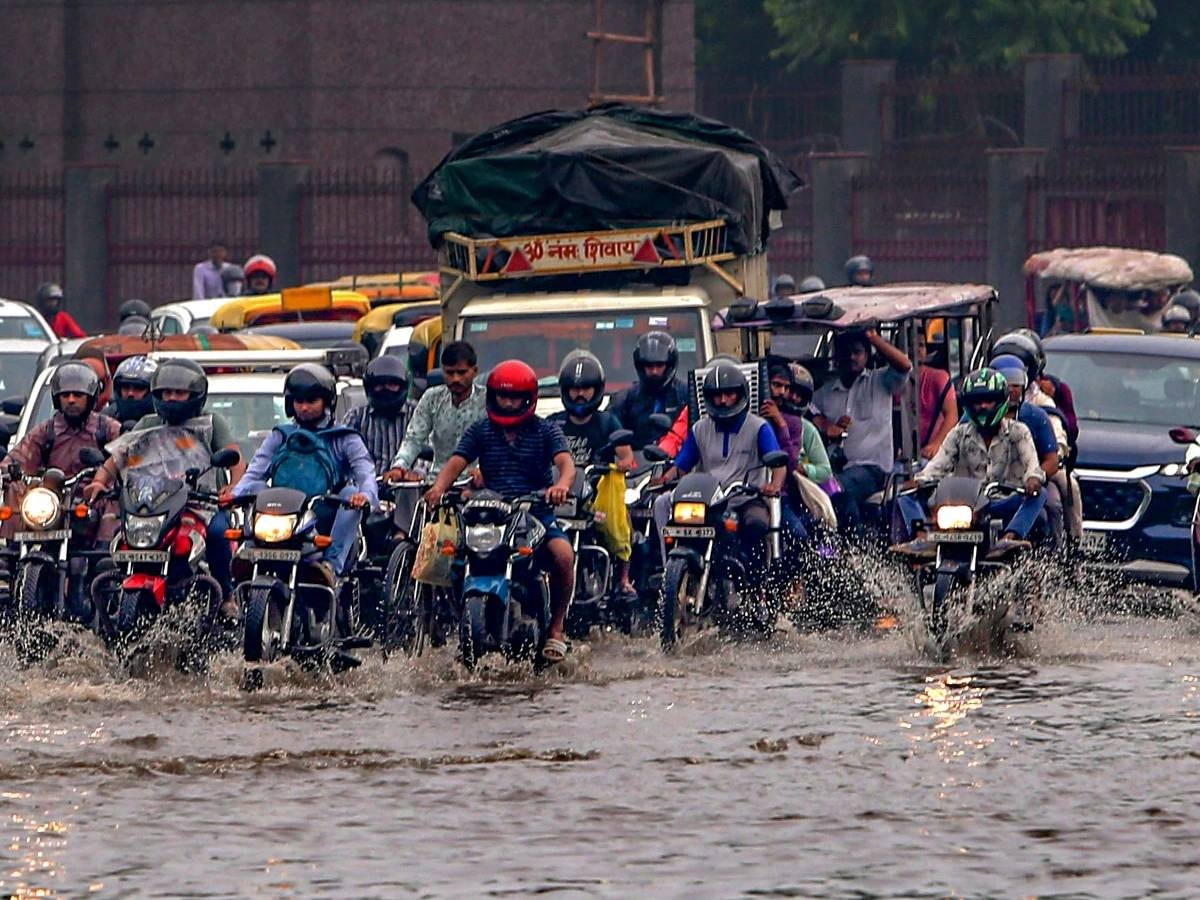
point(395, 341)
point(24, 337)
point(183, 316)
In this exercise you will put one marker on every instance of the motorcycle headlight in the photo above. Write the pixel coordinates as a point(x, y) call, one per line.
point(40, 508)
point(689, 513)
point(483, 538)
point(143, 531)
point(1172, 470)
point(271, 528)
point(954, 518)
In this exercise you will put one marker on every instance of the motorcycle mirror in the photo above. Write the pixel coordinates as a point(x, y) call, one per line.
point(91, 456)
point(654, 453)
point(225, 458)
point(662, 422)
point(127, 426)
point(1182, 435)
point(775, 459)
point(620, 438)
point(12, 405)
point(426, 453)
point(192, 474)
point(53, 478)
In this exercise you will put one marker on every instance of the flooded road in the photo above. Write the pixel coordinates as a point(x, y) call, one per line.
point(814, 766)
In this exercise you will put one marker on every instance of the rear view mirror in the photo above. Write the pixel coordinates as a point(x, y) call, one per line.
point(775, 459)
point(426, 453)
point(91, 456)
point(12, 405)
point(225, 458)
point(1178, 435)
point(654, 453)
point(662, 422)
point(620, 438)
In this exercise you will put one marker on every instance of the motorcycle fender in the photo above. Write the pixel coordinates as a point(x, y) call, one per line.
point(156, 584)
point(40, 556)
point(491, 585)
point(695, 560)
point(269, 583)
point(960, 569)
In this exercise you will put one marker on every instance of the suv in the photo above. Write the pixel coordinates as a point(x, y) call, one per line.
point(1137, 397)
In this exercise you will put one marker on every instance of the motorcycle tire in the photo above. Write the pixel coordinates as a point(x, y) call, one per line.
point(33, 591)
point(677, 582)
point(105, 592)
point(406, 624)
point(264, 626)
point(938, 613)
point(134, 612)
point(472, 630)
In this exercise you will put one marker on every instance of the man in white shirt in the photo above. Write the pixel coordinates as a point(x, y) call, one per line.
point(206, 277)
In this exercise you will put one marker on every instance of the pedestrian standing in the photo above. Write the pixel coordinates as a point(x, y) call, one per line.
point(206, 277)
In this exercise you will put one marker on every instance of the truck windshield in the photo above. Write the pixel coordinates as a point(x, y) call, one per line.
point(543, 340)
point(1130, 387)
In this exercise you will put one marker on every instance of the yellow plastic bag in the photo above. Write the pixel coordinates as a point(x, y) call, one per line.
point(612, 516)
point(435, 553)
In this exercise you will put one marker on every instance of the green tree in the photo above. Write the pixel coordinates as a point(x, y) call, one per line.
point(954, 35)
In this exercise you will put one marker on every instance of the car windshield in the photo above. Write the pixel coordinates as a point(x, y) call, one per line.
point(1130, 387)
point(543, 340)
point(22, 328)
point(17, 371)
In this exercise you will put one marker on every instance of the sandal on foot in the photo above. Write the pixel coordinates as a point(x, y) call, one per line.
point(554, 650)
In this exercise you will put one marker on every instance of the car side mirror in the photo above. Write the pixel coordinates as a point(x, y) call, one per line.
point(775, 459)
point(1182, 435)
point(91, 456)
point(12, 405)
point(225, 458)
point(662, 422)
point(655, 454)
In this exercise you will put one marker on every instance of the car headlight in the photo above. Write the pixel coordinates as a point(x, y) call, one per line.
point(954, 517)
point(483, 538)
point(689, 513)
point(143, 531)
point(40, 508)
point(271, 528)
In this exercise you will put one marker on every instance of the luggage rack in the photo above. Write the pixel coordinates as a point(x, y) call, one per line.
point(582, 252)
point(350, 362)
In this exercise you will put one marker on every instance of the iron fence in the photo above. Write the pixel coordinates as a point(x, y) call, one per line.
point(31, 232)
point(979, 109)
point(1137, 103)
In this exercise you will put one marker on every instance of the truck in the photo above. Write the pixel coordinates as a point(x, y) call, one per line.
point(570, 230)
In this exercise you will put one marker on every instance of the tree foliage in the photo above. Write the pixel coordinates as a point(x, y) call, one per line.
point(954, 35)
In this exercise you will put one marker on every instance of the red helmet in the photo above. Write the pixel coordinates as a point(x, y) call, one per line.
point(259, 264)
point(514, 378)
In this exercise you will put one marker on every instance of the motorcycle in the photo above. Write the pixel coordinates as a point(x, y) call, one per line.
point(57, 552)
point(289, 606)
point(159, 558)
point(963, 534)
point(707, 572)
point(506, 598)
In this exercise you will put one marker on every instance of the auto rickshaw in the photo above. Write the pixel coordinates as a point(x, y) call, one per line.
point(1080, 289)
point(372, 327)
point(396, 286)
point(302, 304)
point(424, 352)
point(119, 347)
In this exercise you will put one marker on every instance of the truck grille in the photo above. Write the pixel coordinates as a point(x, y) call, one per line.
point(1111, 501)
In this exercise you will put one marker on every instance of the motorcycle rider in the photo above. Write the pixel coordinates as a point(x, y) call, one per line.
point(655, 357)
point(49, 300)
point(310, 399)
point(443, 413)
point(517, 451)
point(179, 391)
point(381, 420)
point(1176, 320)
point(133, 309)
point(1189, 300)
point(728, 443)
point(855, 407)
point(587, 428)
point(785, 286)
point(131, 389)
point(259, 275)
point(990, 446)
point(810, 284)
point(860, 271)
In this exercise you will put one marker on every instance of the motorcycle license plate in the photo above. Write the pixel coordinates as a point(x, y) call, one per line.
point(274, 555)
point(957, 537)
point(1093, 543)
point(140, 556)
point(42, 535)
point(689, 531)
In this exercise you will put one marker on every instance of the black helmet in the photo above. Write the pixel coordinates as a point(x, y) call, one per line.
point(1176, 314)
point(725, 377)
point(1025, 348)
point(131, 308)
point(48, 291)
point(811, 284)
point(581, 369)
point(856, 265)
point(309, 381)
point(382, 370)
point(655, 348)
point(179, 375)
point(784, 284)
point(75, 378)
point(1190, 301)
point(134, 325)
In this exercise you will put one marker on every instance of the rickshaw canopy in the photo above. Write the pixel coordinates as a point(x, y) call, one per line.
point(854, 307)
point(306, 304)
point(1110, 268)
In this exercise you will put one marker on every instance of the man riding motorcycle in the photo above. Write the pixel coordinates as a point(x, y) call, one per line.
point(655, 357)
point(860, 271)
point(131, 390)
point(259, 274)
point(990, 446)
point(312, 448)
point(517, 451)
point(728, 442)
point(381, 420)
point(49, 303)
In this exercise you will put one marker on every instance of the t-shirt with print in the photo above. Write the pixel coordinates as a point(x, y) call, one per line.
point(584, 440)
point(522, 466)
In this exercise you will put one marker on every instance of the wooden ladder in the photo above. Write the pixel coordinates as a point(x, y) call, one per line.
point(648, 40)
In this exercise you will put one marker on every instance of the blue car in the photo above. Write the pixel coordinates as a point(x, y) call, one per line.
point(1137, 398)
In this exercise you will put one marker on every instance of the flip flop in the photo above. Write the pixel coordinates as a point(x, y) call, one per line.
point(554, 650)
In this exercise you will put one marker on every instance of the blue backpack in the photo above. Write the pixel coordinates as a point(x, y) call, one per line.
point(305, 462)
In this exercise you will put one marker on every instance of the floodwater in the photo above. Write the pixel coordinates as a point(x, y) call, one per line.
point(834, 765)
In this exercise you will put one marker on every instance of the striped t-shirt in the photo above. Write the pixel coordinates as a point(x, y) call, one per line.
point(382, 434)
point(521, 467)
